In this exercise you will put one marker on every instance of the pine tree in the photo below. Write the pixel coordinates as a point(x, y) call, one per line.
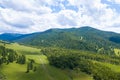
point(30, 65)
point(28, 68)
point(35, 68)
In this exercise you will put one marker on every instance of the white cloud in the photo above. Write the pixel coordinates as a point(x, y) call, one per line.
point(96, 14)
point(67, 18)
point(26, 5)
point(16, 19)
point(115, 1)
point(27, 16)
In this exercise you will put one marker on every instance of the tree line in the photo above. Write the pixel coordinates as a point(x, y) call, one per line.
point(9, 55)
point(84, 61)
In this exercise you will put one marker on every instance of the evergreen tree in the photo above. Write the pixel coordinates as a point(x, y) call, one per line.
point(28, 68)
point(35, 68)
point(31, 65)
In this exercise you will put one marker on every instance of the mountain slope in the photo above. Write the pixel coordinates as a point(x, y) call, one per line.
point(9, 36)
point(13, 36)
point(84, 38)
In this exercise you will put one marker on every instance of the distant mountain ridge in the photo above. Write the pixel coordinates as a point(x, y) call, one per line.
point(9, 36)
point(84, 38)
point(13, 36)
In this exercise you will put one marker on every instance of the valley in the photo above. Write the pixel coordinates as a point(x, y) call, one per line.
point(60, 54)
point(44, 71)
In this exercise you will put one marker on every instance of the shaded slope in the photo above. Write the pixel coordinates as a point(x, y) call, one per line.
point(9, 36)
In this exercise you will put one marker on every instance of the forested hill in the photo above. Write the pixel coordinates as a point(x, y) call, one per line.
point(13, 36)
point(84, 38)
point(9, 36)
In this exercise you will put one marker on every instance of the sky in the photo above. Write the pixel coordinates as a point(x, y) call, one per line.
point(28, 16)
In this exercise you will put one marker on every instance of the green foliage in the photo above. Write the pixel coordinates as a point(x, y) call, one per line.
point(21, 59)
point(2, 77)
point(86, 38)
point(15, 71)
point(43, 70)
point(115, 39)
point(9, 55)
point(84, 61)
point(30, 65)
point(59, 52)
point(35, 68)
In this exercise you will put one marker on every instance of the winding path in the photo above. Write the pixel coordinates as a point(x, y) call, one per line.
point(45, 69)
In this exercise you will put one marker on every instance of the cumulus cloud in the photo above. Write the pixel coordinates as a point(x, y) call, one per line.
point(115, 1)
point(26, 6)
point(67, 18)
point(26, 16)
point(16, 19)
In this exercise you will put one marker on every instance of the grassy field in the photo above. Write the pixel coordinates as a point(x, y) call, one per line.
point(117, 52)
point(23, 49)
point(44, 71)
point(113, 67)
point(15, 71)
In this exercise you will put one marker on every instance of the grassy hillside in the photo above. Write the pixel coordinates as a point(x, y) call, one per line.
point(23, 49)
point(117, 51)
point(114, 67)
point(15, 71)
point(101, 63)
point(44, 71)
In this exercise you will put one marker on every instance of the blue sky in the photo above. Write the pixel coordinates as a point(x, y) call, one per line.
point(27, 16)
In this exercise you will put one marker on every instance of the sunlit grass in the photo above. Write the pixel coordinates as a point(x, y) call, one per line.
point(23, 49)
point(117, 52)
point(44, 71)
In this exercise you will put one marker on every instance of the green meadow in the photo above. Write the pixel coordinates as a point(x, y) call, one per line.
point(113, 67)
point(44, 71)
